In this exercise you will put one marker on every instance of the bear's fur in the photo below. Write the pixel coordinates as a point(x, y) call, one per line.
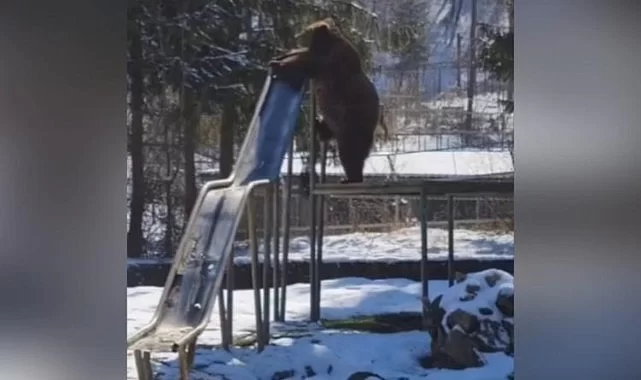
point(347, 100)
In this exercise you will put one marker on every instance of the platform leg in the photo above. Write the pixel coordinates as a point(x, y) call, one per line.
point(313, 204)
point(140, 369)
point(275, 249)
point(191, 353)
point(146, 361)
point(319, 235)
point(253, 241)
point(286, 230)
point(183, 359)
point(230, 301)
point(223, 319)
point(450, 240)
point(424, 258)
point(269, 193)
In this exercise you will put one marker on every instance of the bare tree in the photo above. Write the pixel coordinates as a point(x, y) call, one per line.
point(136, 90)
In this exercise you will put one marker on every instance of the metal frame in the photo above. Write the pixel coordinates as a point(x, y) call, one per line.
point(186, 345)
point(315, 314)
point(497, 185)
point(267, 237)
point(286, 232)
point(276, 218)
point(313, 261)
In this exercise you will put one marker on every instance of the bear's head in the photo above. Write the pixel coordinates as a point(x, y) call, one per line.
point(320, 36)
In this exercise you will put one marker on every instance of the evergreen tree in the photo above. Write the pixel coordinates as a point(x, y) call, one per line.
point(193, 59)
point(496, 53)
point(496, 56)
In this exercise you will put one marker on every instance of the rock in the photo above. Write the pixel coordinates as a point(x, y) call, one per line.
point(459, 317)
point(281, 375)
point(472, 288)
point(309, 371)
point(505, 303)
point(492, 278)
point(461, 351)
point(364, 376)
point(436, 302)
point(491, 337)
point(426, 361)
point(467, 297)
point(472, 317)
point(509, 327)
point(434, 315)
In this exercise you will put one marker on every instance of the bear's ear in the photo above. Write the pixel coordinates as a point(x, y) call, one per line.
point(321, 29)
point(328, 22)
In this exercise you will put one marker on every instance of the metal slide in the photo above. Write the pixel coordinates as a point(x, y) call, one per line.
point(205, 249)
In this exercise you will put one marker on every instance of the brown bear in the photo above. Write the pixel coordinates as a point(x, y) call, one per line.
point(347, 100)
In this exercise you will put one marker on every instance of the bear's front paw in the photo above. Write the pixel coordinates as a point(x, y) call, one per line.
point(347, 180)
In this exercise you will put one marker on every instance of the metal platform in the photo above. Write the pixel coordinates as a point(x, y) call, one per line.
point(477, 185)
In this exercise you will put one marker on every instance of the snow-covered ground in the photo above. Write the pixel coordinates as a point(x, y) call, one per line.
point(404, 245)
point(484, 103)
point(329, 354)
point(447, 109)
point(439, 163)
point(400, 245)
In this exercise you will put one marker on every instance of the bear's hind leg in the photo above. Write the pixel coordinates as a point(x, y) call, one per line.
point(323, 131)
point(352, 153)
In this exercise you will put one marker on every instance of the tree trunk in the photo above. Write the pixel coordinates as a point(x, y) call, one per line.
point(471, 85)
point(135, 242)
point(168, 180)
point(227, 129)
point(458, 60)
point(510, 86)
point(191, 119)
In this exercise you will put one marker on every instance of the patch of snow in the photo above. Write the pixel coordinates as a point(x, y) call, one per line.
point(443, 163)
point(400, 245)
point(321, 353)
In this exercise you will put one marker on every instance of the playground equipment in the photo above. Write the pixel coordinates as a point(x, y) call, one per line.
point(204, 254)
